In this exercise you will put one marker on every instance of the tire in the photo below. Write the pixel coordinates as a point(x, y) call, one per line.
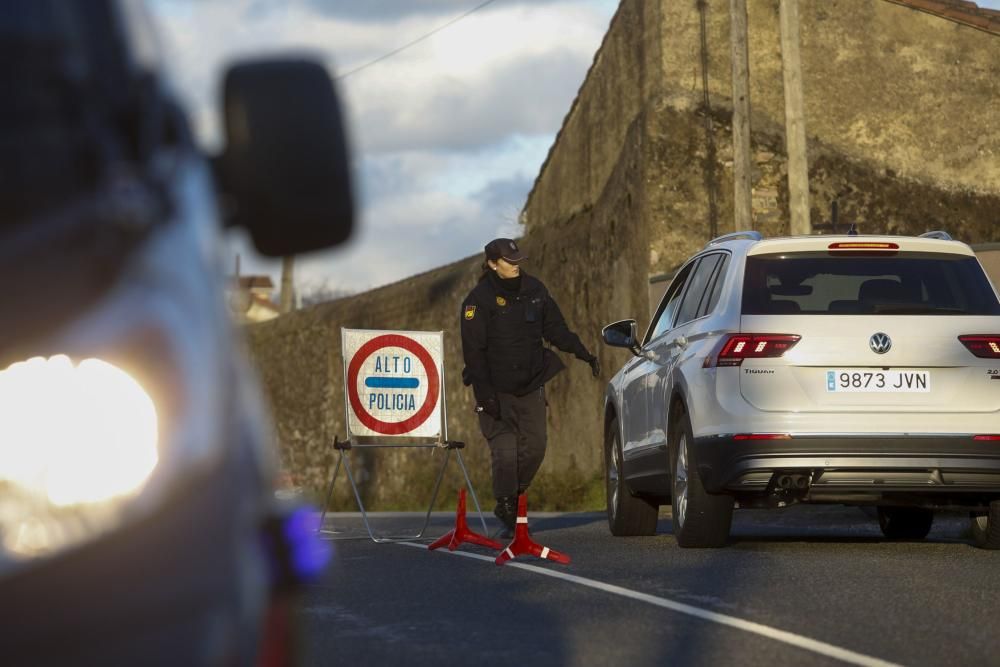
point(627, 514)
point(701, 519)
point(905, 523)
point(986, 527)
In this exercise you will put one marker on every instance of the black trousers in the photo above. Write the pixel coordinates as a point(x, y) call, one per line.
point(517, 441)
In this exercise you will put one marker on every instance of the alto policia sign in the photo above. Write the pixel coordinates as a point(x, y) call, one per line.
point(393, 383)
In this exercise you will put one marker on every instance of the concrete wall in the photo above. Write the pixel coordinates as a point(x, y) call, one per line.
point(902, 125)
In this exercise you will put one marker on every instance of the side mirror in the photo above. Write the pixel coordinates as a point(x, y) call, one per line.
point(285, 172)
point(621, 334)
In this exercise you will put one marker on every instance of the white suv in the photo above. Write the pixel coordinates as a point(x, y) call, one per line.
point(859, 370)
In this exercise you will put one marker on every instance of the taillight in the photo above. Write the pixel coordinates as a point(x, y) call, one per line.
point(991, 436)
point(863, 248)
point(863, 245)
point(734, 348)
point(985, 346)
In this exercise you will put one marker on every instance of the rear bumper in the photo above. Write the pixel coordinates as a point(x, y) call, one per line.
point(852, 463)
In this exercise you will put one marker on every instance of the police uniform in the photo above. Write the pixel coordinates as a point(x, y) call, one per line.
point(504, 323)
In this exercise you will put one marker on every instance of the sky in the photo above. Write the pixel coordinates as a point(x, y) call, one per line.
point(447, 135)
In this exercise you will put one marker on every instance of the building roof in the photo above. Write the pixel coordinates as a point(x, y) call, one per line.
point(264, 302)
point(959, 11)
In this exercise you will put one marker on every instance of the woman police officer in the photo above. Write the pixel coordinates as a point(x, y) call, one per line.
point(505, 318)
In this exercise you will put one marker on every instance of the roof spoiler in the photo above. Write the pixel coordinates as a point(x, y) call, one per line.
point(736, 236)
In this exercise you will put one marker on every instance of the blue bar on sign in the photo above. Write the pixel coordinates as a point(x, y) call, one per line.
point(392, 383)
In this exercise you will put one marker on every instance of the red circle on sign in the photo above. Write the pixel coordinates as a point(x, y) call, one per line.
point(433, 384)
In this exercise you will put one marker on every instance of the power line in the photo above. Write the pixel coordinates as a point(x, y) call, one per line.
point(416, 41)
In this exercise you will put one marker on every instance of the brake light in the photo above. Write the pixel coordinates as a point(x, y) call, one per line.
point(984, 346)
point(734, 348)
point(863, 249)
point(762, 436)
point(986, 437)
point(863, 245)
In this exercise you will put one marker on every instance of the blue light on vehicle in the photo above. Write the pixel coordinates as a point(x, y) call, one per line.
point(307, 553)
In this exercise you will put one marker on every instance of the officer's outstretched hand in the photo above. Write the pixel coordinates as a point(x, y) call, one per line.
point(595, 366)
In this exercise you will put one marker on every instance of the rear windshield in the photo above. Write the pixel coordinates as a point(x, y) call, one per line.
point(901, 284)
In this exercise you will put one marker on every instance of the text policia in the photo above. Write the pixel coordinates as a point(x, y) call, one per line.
point(383, 397)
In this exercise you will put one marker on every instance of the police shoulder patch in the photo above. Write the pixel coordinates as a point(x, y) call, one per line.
point(501, 301)
point(470, 312)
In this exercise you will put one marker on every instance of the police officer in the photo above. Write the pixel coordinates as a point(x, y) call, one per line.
point(505, 318)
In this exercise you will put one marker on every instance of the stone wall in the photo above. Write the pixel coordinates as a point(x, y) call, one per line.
point(586, 152)
point(873, 197)
point(908, 91)
point(901, 117)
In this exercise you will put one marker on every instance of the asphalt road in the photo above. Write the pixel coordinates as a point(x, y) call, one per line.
point(803, 585)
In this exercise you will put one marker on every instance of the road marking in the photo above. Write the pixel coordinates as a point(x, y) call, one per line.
point(790, 638)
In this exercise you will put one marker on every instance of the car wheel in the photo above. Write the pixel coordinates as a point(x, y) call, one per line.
point(905, 523)
point(701, 519)
point(627, 514)
point(986, 527)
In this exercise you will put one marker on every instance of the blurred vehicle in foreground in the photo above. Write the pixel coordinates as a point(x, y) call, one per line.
point(137, 519)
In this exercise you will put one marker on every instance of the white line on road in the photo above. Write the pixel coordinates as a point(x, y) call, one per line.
point(790, 638)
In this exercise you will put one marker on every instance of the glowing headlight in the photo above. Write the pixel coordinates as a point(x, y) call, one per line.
point(74, 441)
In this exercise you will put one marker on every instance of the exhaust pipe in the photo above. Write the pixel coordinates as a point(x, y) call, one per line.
point(789, 482)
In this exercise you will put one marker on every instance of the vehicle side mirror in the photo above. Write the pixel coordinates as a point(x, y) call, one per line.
point(621, 334)
point(285, 172)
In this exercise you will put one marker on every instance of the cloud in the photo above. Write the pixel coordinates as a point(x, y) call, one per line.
point(417, 229)
point(526, 95)
point(408, 235)
point(389, 10)
point(501, 201)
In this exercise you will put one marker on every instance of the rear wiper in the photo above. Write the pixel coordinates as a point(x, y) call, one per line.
point(915, 309)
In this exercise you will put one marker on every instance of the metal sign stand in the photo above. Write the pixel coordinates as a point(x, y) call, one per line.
point(343, 448)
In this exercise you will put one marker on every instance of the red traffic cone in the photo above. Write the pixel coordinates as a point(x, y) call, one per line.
point(461, 533)
point(523, 544)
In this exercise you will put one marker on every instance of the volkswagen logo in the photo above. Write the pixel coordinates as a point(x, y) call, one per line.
point(880, 343)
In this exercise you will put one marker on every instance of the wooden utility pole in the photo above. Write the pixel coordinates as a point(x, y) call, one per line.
point(287, 284)
point(743, 218)
point(795, 122)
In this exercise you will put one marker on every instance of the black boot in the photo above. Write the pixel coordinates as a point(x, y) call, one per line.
point(506, 511)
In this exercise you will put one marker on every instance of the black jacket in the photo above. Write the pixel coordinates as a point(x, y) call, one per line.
point(502, 334)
